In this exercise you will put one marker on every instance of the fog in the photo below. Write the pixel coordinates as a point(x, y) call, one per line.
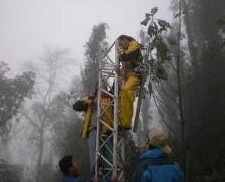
point(48, 38)
point(50, 52)
point(28, 27)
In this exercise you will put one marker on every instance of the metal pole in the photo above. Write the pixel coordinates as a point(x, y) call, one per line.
point(98, 119)
point(116, 119)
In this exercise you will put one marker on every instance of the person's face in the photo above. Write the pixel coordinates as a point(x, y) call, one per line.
point(74, 167)
point(123, 44)
point(146, 144)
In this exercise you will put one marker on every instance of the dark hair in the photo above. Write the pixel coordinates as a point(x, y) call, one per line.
point(80, 105)
point(65, 163)
point(125, 37)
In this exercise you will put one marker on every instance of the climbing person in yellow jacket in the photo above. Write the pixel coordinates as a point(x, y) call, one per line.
point(88, 105)
point(130, 59)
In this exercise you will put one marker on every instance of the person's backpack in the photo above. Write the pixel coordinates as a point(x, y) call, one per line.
point(145, 163)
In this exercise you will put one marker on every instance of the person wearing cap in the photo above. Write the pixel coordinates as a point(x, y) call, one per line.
point(154, 164)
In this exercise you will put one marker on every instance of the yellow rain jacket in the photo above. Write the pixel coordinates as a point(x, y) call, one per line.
point(107, 117)
point(131, 56)
point(130, 59)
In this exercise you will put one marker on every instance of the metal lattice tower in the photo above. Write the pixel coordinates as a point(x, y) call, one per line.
point(110, 146)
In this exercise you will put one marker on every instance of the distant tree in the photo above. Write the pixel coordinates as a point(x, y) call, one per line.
point(39, 114)
point(12, 93)
point(95, 48)
point(10, 173)
point(47, 172)
point(67, 132)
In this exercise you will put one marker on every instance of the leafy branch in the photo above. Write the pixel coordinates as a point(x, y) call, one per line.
point(157, 53)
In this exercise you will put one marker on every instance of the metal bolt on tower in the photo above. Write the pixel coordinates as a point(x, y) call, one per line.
point(109, 147)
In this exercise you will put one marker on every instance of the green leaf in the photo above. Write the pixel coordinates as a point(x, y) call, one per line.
point(154, 10)
point(147, 15)
point(172, 41)
point(161, 49)
point(160, 72)
point(145, 21)
point(152, 29)
point(164, 24)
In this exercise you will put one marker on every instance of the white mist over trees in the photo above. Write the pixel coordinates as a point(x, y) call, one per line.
point(12, 93)
point(38, 125)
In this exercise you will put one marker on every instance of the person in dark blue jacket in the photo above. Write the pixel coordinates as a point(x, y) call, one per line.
point(154, 164)
point(69, 168)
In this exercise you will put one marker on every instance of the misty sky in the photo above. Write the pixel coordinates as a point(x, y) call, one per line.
point(27, 27)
